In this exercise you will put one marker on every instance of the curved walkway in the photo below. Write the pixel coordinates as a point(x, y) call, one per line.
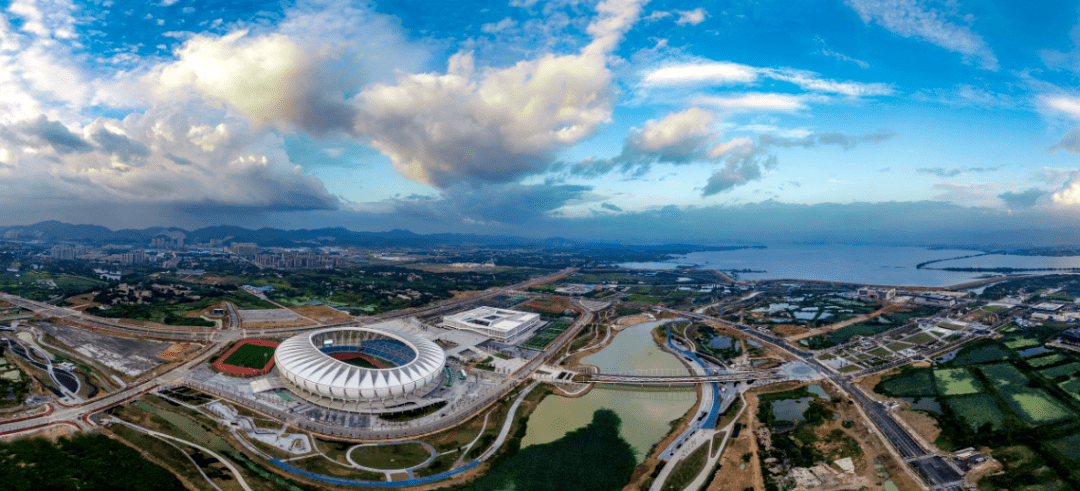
point(421, 480)
point(235, 471)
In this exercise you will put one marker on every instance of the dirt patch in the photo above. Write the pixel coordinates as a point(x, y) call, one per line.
point(552, 306)
point(322, 313)
point(630, 320)
point(924, 425)
point(175, 351)
point(867, 384)
point(269, 325)
point(789, 330)
point(81, 302)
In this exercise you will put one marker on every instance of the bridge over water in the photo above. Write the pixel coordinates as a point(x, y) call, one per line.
point(679, 377)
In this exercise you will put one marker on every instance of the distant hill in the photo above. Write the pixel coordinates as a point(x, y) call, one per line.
point(55, 231)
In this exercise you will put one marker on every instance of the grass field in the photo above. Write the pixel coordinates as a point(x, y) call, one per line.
point(251, 356)
point(1061, 371)
point(977, 410)
point(1071, 386)
point(1021, 343)
point(1069, 447)
point(956, 382)
point(1045, 361)
point(1005, 376)
point(391, 456)
point(547, 335)
point(645, 299)
point(920, 338)
point(1036, 406)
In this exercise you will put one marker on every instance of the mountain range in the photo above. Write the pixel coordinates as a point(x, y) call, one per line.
point(55, 231)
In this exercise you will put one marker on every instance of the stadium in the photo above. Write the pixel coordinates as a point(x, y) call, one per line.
point(361, 368)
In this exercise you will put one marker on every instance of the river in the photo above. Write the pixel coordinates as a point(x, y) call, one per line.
point(645, 414)
point(864, 264)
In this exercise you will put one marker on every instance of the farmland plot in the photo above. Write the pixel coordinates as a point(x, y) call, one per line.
point(1061, 371)
point(1036, 407)
point(956, 382)
point(1021, 343)
point(1072, 386)
point(977, 410)
point(1045, 361)
point(1069, 447)
point(1004, 376)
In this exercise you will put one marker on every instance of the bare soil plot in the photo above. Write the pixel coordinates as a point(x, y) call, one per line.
point(125, 355)
point(268, 315)
point(322, 313)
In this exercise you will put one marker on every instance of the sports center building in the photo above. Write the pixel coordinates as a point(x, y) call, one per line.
point(364, 369)
point(501, 325)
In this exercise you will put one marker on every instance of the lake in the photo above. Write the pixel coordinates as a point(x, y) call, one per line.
point(645, 414)
point(864, 264)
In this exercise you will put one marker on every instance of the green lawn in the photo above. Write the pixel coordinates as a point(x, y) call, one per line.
point(1036, 406)
point(645, 299)
point(920, 338)
point(977, 410)
point(956, 382)
point(1061, 371)
point(398, 456)
point(1045, 361)
point(250, 356)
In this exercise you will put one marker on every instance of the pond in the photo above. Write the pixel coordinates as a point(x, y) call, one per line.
point(1038, 350)
point(644, 414)
point(721, 342)
point(924, 404)
point(791, 409)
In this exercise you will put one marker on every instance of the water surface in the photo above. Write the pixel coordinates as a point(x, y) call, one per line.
point(645, 414)
point(874, 265)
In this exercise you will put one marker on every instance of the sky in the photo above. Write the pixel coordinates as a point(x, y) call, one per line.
point(622, 120)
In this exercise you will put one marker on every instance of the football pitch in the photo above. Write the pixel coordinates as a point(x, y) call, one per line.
point(251, 356)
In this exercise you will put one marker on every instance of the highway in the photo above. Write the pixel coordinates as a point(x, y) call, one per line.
point(938, 473)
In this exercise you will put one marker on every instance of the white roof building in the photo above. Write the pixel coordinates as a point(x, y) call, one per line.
point(499, 324)
point(314, 364)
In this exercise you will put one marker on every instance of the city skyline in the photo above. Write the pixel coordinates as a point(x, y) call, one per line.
point(655, 121)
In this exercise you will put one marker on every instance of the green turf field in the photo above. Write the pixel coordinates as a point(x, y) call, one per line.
point(250, 356)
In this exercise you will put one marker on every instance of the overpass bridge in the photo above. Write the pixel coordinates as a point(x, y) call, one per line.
point(651, 377)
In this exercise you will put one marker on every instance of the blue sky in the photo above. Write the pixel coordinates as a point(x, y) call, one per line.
point(621, 120)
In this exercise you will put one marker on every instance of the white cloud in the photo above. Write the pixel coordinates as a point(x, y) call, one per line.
point(46, 18)
point(965, 95)
point(498, 124)
point(656, 15)
point(193, 157)
point(714, 72)
point(692, 17)
point(727, 73)
point(1063, 104)
point(910, 19)
point(753, 102)
point(810, 81)
point(674, 132)
point(1069, 195)
point(496, 27)
point(271, 79)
